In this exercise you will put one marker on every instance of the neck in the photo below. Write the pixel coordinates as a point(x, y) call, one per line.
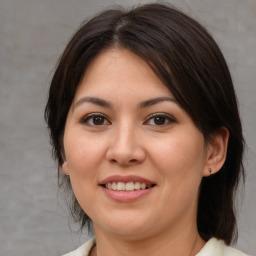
point(186, 243)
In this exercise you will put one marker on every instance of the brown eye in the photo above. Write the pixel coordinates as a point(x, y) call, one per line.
point(98, 120)
point(95, 120)
point(160, 119)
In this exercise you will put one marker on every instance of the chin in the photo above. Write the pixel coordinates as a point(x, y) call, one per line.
point(130, 228)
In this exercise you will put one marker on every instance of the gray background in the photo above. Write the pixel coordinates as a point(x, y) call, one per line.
point(33, 218)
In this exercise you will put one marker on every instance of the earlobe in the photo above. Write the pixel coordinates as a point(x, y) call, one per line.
point(217, 151)
point(65, 168)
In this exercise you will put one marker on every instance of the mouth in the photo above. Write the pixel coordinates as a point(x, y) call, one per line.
point(127, 189)
point(126, 183)
point(127, 186)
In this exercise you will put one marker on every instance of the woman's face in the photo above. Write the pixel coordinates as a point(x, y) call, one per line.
point(134, 156)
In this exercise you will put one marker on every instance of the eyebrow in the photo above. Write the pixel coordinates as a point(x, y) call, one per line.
point(154, 101)
point(104, 103)
point(96, 101)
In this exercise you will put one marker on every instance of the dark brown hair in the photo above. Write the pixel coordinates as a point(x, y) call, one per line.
point(190, 64)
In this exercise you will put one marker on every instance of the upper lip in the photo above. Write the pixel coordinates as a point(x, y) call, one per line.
point(125, 179)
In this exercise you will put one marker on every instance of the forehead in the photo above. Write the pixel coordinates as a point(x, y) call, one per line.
point(120, 71)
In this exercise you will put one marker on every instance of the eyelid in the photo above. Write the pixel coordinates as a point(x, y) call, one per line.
point(169, 117)
point(84, 119)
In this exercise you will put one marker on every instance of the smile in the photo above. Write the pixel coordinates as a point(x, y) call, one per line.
point(127, 186)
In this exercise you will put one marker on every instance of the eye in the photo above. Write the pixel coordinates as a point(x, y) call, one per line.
point(159, 119)
point(95, 120)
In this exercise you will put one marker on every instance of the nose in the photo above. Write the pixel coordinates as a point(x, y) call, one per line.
point(125, 147)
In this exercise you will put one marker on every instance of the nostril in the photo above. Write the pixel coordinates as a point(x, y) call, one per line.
point(124, 162)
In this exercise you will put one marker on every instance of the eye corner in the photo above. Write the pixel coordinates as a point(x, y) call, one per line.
point(95, 120)
point(160, 119)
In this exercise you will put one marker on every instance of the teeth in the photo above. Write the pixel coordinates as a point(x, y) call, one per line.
point(142, 185)
point(120, 186)
point(129, 186)
point(137, 185)
point(113, 186)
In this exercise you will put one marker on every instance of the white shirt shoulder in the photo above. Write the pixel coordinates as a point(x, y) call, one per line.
point(213, 247)
point(83, 250)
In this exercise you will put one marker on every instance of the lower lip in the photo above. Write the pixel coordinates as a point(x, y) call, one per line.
point(126, 196)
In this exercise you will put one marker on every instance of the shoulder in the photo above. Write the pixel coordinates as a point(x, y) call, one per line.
point(83, 250)
point(215, 247)
point(229, 251)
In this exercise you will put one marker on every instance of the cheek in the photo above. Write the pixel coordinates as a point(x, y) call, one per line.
point(180, 162)
point(83, 154)
point(179, 156)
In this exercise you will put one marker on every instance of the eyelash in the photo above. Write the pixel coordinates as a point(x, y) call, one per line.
point(166, 118)
point(86, 120)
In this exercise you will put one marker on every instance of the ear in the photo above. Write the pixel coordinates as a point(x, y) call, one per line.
point(65, 168)
point(216, 151)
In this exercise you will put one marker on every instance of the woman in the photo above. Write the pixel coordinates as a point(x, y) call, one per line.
point(144, 123)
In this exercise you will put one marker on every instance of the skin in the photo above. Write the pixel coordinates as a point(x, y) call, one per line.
point(127, 140)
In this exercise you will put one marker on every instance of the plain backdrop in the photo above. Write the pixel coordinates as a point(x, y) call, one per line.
point(33, 33)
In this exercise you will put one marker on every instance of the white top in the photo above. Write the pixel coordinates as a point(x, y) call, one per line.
point(213, 247)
